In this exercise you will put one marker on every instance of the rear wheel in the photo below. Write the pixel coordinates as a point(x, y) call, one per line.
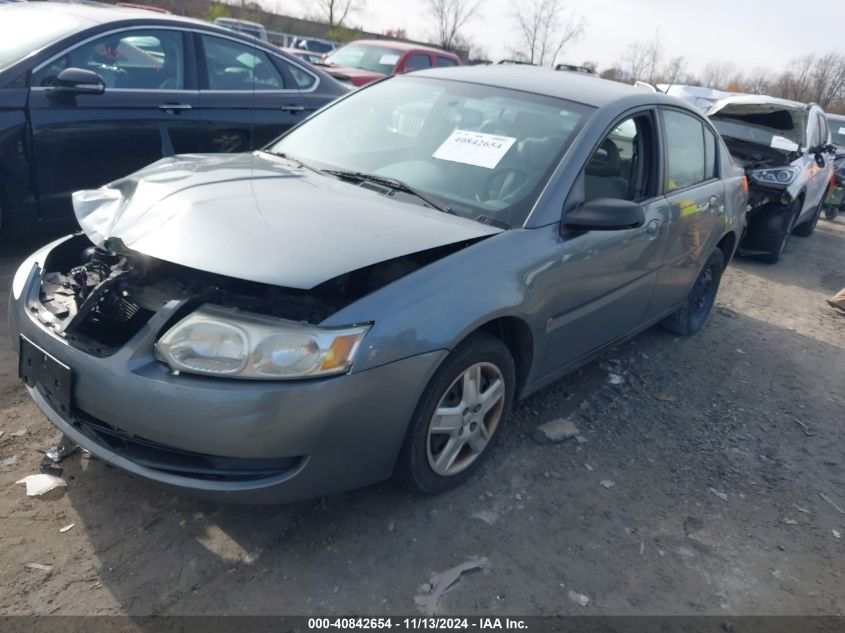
point(692, 316)
point(459, 416)
point(776, 231)
point(830, 212)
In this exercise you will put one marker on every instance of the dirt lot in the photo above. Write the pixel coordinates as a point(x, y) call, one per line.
point(751, 408)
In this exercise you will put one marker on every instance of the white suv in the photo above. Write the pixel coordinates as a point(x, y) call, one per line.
point(785, 149)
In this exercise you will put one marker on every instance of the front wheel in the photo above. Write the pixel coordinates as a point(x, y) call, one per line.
point(692, 316)
point(459, 416)
point(830, 212)
point(777, 230)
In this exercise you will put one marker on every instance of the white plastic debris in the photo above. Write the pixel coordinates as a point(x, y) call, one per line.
point(836, 534)
point(487, 516)
point(579, 598)
point(37, 485)
point(589, 467)
point(66, 528)
point(18, 433)
point(722, 495)
point(607, 483)
point(39, 567)
point(556, 431)
point(789, 522)
point(615, 379)
point(9, 461)
point(439, 583)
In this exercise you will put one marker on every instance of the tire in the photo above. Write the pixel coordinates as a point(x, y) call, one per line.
point(805, 229)
point(432, 459)
point(830, 212)
point(777, 230)
point(692, 316)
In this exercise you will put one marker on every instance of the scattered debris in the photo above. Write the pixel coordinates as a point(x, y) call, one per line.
point(9, 461)
point(441, 582)
point(832, 503)
point(488, 516)
point(37, 485)
point(739, 351)
point(789, 521)
point(579, 598)
point(607, 483)
point(556, 431)
point(836, 534)
point(2, 433)
point(615, 379)
point(802, 509)
point(66, 528)
point(666, 397)
point(39, 567)
point(807, 430)
point(391, 525)
point(642, 547)
point(18, 433)
point(589, 467)
point(580, 439)
point(64, 450)
point(48, 467)
point(722, 495)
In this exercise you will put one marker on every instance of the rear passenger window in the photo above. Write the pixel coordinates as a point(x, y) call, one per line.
point(710, 170)
point(303, 79)
point(685, 150)
point(234, 65)
point(445, 62)
point(417, 62)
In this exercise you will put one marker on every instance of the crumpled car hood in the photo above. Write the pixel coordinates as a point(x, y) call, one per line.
point(259, 218)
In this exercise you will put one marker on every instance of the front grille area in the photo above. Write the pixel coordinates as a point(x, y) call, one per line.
point(178, 462)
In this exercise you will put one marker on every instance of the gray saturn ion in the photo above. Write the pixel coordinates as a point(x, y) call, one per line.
point(369, 294)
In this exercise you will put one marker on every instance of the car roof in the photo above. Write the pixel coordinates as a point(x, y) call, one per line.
point(401, 46)
point(95, 14)
point(835, 117)
point(750, 100)
point(579, 87)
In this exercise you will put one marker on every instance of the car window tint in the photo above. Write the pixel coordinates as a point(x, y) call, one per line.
point(619, 168)
point(137, 59)
point(445, 62)
point(710, 170)
point(684, 150)
point(234, 65)
point(301, 78)
point(417, 62)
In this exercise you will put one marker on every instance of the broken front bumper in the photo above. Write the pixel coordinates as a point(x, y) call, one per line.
point(224, 439)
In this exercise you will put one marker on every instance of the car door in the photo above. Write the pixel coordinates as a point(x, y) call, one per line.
point(696, 197)
point(606, 278)
point(414, 61)
point(245, 98)
point(147, 110)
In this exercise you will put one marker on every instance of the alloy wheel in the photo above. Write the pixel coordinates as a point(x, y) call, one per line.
point(465, 419)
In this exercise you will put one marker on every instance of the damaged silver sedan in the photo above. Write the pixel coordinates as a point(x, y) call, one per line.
point(370, 294)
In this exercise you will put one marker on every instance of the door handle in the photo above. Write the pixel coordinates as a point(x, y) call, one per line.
point(292, 108)
point(174, 107)
point(715, 205)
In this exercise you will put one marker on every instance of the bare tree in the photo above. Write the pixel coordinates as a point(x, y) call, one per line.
point(828, 79)
point(642, 59)
point(450, 17)
point(719, 74)
point(675, 71)
point(334, 12)
point(545, 28)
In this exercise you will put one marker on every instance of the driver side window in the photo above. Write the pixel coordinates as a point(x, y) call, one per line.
point(620, 168)
point(138, 59)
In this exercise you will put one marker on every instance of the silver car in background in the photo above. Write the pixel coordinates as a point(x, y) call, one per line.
point(370, 294)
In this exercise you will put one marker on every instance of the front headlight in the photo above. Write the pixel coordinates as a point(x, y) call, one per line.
point(218, 341)
point(780, 176)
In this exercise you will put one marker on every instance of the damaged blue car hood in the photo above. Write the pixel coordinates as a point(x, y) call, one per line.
point(260, 218)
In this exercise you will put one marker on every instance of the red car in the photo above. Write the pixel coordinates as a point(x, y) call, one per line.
point(364, 61)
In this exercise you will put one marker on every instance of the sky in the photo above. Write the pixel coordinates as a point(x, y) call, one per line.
point(751, 34)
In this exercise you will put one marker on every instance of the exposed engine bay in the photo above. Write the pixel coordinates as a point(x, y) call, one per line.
point(98, 298)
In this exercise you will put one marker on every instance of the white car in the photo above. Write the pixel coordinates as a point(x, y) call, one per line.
point(785, 149)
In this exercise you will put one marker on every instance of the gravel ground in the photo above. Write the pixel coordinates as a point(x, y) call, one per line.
point(718, 448)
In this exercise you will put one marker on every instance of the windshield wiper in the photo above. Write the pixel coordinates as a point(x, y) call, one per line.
point(393, 183)
point(299, 162)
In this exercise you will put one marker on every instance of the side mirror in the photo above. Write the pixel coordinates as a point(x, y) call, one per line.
point(605, 214)
point(78, 81)
point(819, 158)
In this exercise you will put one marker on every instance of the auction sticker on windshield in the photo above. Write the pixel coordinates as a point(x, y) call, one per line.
point(474, 148)
point(779, 142)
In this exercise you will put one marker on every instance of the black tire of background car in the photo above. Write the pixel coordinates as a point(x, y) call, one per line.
point(692, 316)
point(830, 212)
point(805, 229)
point(412, 469)
point(775, 229)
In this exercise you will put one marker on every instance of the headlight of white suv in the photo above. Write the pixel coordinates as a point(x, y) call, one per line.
point(218, 341)
point(780, 176)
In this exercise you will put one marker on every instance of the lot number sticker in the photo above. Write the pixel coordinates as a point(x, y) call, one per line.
point(388, 59)
point(474, 148)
